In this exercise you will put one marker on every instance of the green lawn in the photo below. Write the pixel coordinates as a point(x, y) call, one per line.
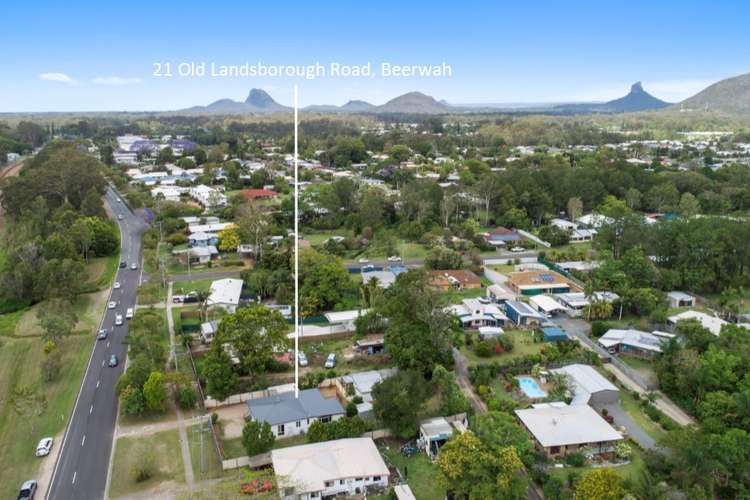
point(423, 475)
point(634, 411)
point(211, 461)
point(523, 344)
point(197, 285)
point(31, 409)
point(164, 447)
point(9, 321)
point(233, 448)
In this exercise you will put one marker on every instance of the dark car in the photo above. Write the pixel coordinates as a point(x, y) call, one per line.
point(113, 361)
point(123, 264)
point(28, 490)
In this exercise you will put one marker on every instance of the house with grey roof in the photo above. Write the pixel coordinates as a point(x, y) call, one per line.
point(289, 416)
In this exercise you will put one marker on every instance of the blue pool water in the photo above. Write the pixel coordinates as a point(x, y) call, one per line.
point(531, 388)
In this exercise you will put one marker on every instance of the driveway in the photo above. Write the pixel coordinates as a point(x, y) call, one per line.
point(635, 431)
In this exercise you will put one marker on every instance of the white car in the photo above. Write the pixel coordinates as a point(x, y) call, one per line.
point(394, 258)
point(331, 361)
point(133, 266)
point(363, 260)
point(112, 305)
point(119, 217)
point(301, 358)
point(118, 320)
point(119, 200)
point(117, 285)
point(129, 313)
point(44, 447)
point(517, 249)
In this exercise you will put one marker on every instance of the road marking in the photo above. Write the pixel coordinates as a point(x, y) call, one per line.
point(107, 344)
point(91, 410)
point(83, 440)
point(102, 362)
point(97, 384)
point(74, 477)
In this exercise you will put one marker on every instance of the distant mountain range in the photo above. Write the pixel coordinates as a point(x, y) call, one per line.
point(731, 95)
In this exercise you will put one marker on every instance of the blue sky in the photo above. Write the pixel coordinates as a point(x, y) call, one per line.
point(78, 56)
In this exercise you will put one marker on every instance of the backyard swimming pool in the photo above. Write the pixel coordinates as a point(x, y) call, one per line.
point(530, 387)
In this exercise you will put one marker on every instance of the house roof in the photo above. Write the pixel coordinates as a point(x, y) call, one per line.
point(537, 278)
point(557, 424)
point(546, 303)
point(225, 291)
point(461, 277)
point(677, 295)
point(306, 468)
point(284, 408)
point(586, 381)
point(632, 337)
point(522, 308)
point(258, 193)
point(345, 316)
point(711, 323)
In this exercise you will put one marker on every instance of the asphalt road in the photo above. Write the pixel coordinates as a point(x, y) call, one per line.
point(81, 469)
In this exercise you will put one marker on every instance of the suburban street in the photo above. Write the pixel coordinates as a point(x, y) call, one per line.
point(81, 468)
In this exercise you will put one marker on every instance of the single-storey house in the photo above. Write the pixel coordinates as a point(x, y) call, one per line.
point(435, 432)
point(459, 279)
point(633, 342)
point(680, 299)
point(502, 236)
point(475, 313)
point(559, 429)
point(384, 278)
point(258, 194)
point(537, 282)
point(522, 314)
point(588, 385)
point(348, 467)
point(711, 323)
point(208, 330)
point(546, 305)
point(203, 239)
point(499, 294)
point(345, 319)
point(225, 293)
point(290, 416)
point(362, 384)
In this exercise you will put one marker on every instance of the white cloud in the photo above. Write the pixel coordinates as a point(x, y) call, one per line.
point(57, 77)
point(115, 80)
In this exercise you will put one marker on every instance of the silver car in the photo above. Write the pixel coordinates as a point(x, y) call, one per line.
point(44, 447)
point(331, 361)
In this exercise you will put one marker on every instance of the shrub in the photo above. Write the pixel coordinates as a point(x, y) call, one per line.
point(599, 328)
point(351, 409)
point(187, 398)
point(143, 464)
point(575, 460)
point(214, 417)
point(132, 401)
point(257, 437)
point(483, 349)
point(51, 367)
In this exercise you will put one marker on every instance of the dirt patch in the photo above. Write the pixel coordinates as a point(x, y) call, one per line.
point(232, 419)
point(44, 476)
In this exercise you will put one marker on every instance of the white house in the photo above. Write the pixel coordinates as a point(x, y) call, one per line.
point(323, 470)
point(633, 342)
point(207, 196)
point(588, 385)
point(289, 416)
point(680, 299)
point(711, 323)
point(476, 313)
point(225, 293)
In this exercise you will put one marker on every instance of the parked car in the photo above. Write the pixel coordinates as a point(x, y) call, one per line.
point(133, 266)
point(119, 200)
point(118, 320)
point(363, 260)
point(517, 249)
point(102, 335)
point(113, 361)
point(302, 359)
point(331, 360)
point(119, 217)
point(394, 258)
point(190, 297)
point(117, 285)
point(123, 264)
point(28, 490)
point(112, 305)
point(44, 447)
point(129, 313)
point(178, 298)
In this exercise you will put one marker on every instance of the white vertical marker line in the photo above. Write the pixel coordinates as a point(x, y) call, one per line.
point(296, 249)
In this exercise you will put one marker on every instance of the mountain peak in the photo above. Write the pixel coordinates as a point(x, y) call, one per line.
point(636, 88)
point(260, 98)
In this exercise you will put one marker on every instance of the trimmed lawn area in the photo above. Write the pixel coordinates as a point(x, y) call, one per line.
point(423, 475)
point(233, 448)
point(523, 344)
point(31, 408)
point(164, 447)
point(9, 321)
point(197, 285)
point(101, 271)
point(632, 407)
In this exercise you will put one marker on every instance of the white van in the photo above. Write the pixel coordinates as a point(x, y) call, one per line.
point(118, 320)
point(129, 313)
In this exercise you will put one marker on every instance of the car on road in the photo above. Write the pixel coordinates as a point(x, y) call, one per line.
point(112, 361)
point(367, 268)
point(112, 305)
point(394, 258)
point(363, 260)
point(301, 358)
point(44, 447)
point(117, 285)
point(178, 298)
point(517, 249)
point(129, 313)
point(133, 266)
point(119, 217)
point(28, 490)
point(102, 334)
point(118, 320)
point(123, 264)
point(331, 361)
